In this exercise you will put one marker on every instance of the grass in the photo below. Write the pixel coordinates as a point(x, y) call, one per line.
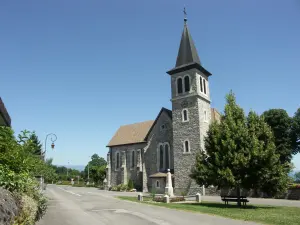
point(278, 215)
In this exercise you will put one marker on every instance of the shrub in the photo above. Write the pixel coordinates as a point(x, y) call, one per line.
point(177, 199)
point(173, 199)
point(130, 185)
point(294, 186)
point(153, 192)
point(29, 210)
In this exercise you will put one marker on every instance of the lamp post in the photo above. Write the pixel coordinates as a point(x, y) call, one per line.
point(88, 182)
point(68, 170)
point(52, 145)
point(43, 154)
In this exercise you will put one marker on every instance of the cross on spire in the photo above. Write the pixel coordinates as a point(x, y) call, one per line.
point(185, 14)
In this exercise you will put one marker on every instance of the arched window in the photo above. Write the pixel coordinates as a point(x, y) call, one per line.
point(161, 157)
point(167, 153)
point(179, 85)
point(205, 115)
point(185, 116)
point(132, 159)
point(186, 83)
point(204, 85)
point(201, 87)
point(118, 160)
point(157, 184)
point(186, 146)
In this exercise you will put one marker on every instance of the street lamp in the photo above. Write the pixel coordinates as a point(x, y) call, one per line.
point(43, 154)
point(52, 145)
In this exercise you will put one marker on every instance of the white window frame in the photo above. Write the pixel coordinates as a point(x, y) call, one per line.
point(201, 84)
point(190, 80)
point(169, 155)
point(184, 150)
point(205, 116)
point(205, 86)
point(177, 86)
point(187, 115)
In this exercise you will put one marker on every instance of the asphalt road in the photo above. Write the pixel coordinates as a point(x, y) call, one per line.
point(89, 206)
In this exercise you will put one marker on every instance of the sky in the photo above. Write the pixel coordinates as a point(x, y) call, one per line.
point(80, 69)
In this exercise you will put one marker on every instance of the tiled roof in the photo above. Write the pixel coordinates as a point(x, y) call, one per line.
point(130, 134)
point(215, 115)
point(4, 113)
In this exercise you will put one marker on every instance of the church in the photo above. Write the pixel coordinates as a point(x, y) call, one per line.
point(144, 152)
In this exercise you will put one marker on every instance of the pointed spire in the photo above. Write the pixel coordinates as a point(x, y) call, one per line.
point(187, 51)
point(187, 57)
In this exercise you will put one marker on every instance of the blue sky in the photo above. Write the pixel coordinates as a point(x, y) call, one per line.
point(81, 69)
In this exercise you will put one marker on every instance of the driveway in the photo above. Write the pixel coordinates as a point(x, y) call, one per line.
point(77, 206)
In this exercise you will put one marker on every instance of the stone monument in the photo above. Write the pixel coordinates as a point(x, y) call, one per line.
point(169, 187)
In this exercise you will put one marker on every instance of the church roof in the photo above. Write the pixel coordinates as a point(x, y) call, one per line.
point(169, 113)
point(4, 116)
point(131, 134)
point(187, 57)
point(187, 52)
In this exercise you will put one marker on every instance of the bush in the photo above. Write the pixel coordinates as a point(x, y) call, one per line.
point(173, 199)
point(29, 210)
point(294, 186)
point(13, 181)
point(130, 184)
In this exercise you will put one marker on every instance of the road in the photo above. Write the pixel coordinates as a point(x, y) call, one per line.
point(89, 206)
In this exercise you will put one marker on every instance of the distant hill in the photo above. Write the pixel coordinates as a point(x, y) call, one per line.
point(76, 167)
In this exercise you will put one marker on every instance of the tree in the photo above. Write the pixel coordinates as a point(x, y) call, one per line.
point(239, 153)
point(296, 132)
point(96, 167)
point(281, 122)
point(36, 144)
point(297, 177)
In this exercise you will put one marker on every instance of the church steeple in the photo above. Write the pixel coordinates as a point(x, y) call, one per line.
point(187, 57)
point(187, 52)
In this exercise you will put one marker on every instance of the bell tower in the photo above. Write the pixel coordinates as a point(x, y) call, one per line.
point(191, 111)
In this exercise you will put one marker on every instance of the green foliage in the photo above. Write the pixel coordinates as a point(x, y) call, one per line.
point(120, 187)
point(20, 163)
point(295, 132)
point(240, 153)
point(153, 193)
point(297, 177)
point(281, 122)
point(97, 169)
point(130, 184)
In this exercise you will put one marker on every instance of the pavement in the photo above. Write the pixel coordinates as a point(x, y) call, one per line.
point(89, 206)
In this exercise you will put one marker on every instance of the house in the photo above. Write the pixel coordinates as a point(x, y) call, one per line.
point(143, 152)
point(4, 116)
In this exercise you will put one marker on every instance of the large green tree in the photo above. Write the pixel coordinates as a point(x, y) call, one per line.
point(281, 124)
point(96, 167)
point(240, 153)
point(296, 132)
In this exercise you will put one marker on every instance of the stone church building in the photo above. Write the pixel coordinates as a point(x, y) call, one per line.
point(143, 152)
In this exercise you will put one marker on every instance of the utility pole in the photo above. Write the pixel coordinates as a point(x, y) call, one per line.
point(68, 170)
point(88, 173)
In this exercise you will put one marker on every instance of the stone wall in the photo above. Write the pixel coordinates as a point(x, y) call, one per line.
point(156, 137)
point(8, 207)
point(126, 170)
point(162, 185)
point(193, 130)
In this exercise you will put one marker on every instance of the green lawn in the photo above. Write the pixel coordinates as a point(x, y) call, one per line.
point(258, 213)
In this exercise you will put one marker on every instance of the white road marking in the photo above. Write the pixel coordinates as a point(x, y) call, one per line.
point(71, 192)
point(141, 215)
